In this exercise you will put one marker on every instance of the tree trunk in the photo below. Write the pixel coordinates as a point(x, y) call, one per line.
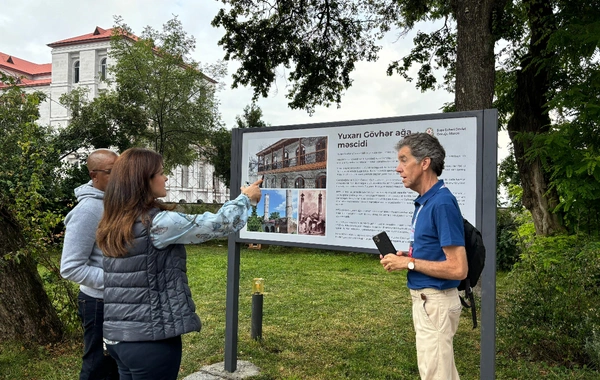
point(475, 61)
point(530, 117)
point(26, 313)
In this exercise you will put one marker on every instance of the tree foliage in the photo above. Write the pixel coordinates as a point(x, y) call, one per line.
point(157, 85)
point(28, 217)
point(26, 158)
point(218, 150)
point(254, 221)
point(508, 247)
point(105, 121)
point(251, 118)
point(322, 40)
point(574, 97)
point(550, 70)
point(319, 44)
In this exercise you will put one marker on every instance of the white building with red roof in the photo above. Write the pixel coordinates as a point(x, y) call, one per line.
point(77, 61)
point(31, 76)
point(83, 61)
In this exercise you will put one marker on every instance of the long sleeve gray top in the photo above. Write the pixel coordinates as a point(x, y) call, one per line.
point(81, 260)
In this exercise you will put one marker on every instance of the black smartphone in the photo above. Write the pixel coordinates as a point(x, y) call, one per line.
point(384, 244)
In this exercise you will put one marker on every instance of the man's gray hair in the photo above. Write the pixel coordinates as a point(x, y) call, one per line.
point(425, 145)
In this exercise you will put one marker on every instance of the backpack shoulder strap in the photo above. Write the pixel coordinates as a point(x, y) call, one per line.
point(471, 305)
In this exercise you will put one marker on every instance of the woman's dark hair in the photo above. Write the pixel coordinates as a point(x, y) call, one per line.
point(128, 196)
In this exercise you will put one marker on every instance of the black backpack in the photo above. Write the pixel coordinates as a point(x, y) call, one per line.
point(476, 260)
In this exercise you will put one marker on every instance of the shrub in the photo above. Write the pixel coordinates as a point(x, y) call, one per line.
point(507, 245)
point(197, 208)
point(63, 295)
point(552, 306)
point(592, 348)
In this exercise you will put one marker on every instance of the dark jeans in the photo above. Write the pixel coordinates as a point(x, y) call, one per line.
point(152, 360)
point(96, 365)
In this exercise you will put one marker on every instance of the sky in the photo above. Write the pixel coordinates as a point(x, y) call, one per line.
point(27, 26)
point(277, 203)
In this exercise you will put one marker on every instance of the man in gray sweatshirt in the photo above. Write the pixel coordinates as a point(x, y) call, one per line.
point(81, 262)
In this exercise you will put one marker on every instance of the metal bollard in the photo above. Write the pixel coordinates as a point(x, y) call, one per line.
point(257, 308)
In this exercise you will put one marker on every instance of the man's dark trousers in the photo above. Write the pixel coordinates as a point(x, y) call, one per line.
point(96, 365)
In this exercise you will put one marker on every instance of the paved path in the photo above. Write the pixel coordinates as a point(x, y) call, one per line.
point(217, 372)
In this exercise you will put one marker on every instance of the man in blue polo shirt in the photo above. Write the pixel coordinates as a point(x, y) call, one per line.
point(437, 260)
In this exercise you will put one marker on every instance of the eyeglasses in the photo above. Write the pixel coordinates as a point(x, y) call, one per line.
point(107, 171)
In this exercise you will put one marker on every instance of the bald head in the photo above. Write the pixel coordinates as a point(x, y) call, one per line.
point(99, 157)
point(100, 163)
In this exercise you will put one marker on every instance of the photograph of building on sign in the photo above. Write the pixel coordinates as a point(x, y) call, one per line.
point(311, 212)
point(292, 163)
point(277, 212)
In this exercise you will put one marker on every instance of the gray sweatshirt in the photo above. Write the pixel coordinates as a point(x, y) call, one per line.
point(81, 260)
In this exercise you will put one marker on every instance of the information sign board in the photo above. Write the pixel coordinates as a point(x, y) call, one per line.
point(335, 185)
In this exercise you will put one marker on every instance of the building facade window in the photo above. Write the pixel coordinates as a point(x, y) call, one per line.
point(103, 69)
point(299, 183)
point(260, 164)
point(201, 177)
point(286, 159)
point(300, 155)
point(76, 72)
point(185, 176)
point(321, 182)
point(284, 182)
point(321, 149)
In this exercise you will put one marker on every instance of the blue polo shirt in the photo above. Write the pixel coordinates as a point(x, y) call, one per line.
point(438, 223)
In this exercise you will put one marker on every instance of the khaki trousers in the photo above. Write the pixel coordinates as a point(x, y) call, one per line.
point(435, 316)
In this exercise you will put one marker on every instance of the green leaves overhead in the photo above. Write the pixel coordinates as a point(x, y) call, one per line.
point(29, 169)
point(560, 50)
point(318, 42)
point(218, 152)
point(157, 80)
point(432, 51)
point(106, 121)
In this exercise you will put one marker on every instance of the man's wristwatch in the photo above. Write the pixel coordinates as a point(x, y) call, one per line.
point(411, 264)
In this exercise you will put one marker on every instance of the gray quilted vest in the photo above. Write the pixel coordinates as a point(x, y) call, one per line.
point(146, 292)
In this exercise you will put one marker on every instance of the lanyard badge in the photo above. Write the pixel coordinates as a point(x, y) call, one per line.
point(412, 232)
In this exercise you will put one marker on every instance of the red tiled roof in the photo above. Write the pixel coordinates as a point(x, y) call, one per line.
point(12, 63)
point(24, 82)
point(98, 34)
point(34, 82)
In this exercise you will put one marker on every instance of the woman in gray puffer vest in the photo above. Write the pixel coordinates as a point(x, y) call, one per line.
point(147, 300)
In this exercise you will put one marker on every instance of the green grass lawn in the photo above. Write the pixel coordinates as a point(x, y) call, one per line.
point(327, 315)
